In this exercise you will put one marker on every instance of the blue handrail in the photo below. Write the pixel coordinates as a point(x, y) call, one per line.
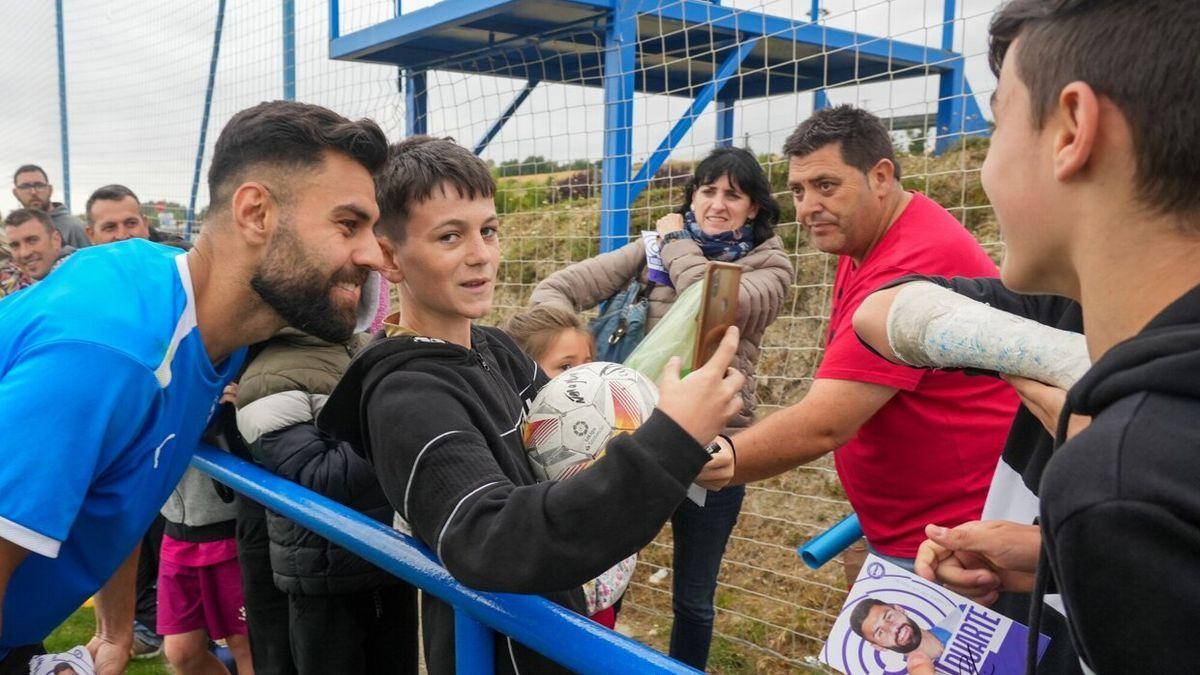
point(561, 635)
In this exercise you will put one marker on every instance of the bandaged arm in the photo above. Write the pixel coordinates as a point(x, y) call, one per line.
point(924, 325)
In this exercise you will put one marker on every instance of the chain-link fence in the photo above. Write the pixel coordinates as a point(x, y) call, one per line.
point(136, 75)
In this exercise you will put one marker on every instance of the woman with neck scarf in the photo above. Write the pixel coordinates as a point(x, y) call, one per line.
point(727, 214)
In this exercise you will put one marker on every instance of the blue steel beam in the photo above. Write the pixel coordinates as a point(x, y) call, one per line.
point(289, 50)
point(208, 93)
point(620, 65)
point(416, 112)
point(363, 44)
point(62, 104)
point(504, 117)
point(959, 114)
point(728, 69)
point(560, 634)
point(402, 29)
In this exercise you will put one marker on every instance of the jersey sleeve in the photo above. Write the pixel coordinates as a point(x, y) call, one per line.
point(70, 408)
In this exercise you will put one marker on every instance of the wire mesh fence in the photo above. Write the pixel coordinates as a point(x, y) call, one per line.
point(136, 75)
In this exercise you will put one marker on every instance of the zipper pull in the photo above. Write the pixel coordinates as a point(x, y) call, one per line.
point(482, 362)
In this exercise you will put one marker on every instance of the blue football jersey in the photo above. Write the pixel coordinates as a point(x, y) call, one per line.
point(105, 388)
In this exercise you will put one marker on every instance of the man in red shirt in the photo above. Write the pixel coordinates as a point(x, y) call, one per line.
point(911, 446)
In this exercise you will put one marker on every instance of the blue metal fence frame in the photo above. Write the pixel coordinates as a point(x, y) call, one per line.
point(208, 94)
point(62, 103)
point(561, 635)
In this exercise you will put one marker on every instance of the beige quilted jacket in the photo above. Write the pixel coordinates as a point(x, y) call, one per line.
point(765, 280)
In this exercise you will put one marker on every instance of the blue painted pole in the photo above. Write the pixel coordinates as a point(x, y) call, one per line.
point(416, 113)
point(825, 546)
point(820, 98)
point(474, 646)
point(504, 117)
point(950, 87)
point(289, 50)
point(335, 20)
point(575, 641)
point(620, 64)
point(208, 93)
point(707, 95)
point(62, 104)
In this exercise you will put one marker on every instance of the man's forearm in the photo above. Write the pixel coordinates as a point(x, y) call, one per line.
point(116, 602)
point(779, 443)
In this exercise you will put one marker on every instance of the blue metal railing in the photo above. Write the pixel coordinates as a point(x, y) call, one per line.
point(561, 635)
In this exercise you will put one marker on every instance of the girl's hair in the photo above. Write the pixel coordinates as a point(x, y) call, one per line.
point(745, 174)
point(534, 330)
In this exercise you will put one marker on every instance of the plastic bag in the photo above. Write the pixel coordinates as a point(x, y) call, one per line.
point(674, 335)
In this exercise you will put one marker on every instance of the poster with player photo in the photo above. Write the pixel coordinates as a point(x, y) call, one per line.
point(891, 613)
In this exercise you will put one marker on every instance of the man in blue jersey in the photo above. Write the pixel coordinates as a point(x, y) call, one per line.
point(112, 390)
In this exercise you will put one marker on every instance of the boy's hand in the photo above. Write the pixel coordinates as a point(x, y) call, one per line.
point(704, 401)
point(919, 664)
point(981, 558)
point(1046, 403)
point(719, 470)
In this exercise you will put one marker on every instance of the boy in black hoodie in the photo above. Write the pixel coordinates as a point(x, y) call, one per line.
point(1092, 173)
point(438, 403)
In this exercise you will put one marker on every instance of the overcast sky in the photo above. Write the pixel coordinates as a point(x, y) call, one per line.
point(137, 71)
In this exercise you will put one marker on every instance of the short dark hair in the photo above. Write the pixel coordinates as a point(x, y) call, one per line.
point(1153, 82)
point(862, 137)
point(744, 171)
point(30, 167)
point(109, 193)
point(21, 216)
point(860, 613)
point(415, 168)
point(287, 134)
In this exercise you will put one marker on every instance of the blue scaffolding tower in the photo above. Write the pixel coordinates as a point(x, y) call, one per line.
point(712, 54)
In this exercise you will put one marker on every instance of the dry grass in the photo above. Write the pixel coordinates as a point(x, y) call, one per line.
point(773, 612)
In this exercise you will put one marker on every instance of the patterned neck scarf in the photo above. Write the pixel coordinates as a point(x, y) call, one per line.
point(727, 246)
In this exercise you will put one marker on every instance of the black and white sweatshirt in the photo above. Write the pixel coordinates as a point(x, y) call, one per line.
point(1013, 494)
point(442, 426)
point(1121, 501)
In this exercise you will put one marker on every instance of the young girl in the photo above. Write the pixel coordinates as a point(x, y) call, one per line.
point(554, 337)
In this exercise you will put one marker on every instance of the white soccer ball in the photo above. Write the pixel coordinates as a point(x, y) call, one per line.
point(575, 414)
point(569, 425)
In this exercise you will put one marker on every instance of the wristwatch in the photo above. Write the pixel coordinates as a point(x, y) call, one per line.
point(677, 234)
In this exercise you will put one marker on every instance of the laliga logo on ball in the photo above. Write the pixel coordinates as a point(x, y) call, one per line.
point(573, 417)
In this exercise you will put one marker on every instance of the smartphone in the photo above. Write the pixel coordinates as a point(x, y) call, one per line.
point(718, 312)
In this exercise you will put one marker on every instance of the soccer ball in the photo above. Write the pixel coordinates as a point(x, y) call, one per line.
point(574, 416)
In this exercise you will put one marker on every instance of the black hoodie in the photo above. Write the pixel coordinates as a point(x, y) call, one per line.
point(441, 424)
point(1121, 502)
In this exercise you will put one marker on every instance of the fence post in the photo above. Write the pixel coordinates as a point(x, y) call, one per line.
point(208, 92)
point(474, 645)
point(620, 63)
point(289, 50)
point(62, 105)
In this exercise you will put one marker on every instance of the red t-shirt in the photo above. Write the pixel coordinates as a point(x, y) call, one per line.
point(929, 454)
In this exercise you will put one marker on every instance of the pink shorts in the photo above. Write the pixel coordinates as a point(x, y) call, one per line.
point(209, 597)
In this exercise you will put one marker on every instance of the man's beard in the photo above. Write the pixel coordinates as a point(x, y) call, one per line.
point(914, 642)
point(291, 283)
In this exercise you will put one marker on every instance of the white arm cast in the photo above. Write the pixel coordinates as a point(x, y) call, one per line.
point(934, 327)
